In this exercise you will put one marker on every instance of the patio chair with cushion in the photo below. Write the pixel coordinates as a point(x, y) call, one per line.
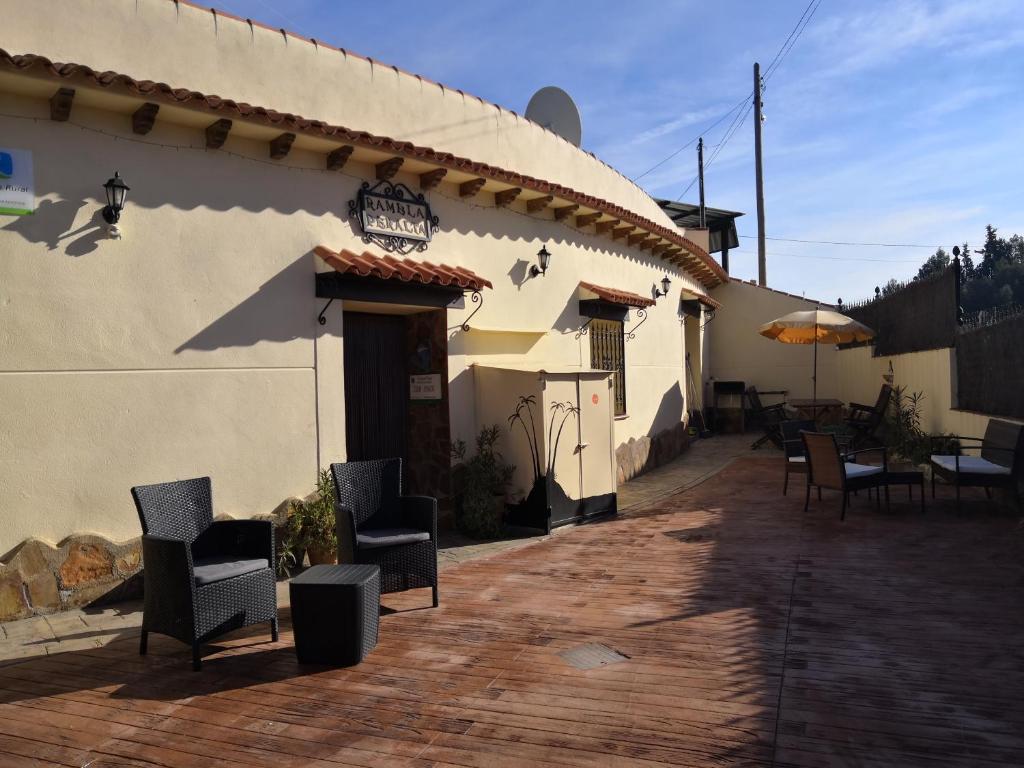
point(865, 420)
point(999, 465)
point(202, 578)
point(770, 418)
point(828, 467)
point(396, 532)
point(793, 448)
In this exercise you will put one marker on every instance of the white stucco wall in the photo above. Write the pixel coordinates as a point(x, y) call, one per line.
point(737, 352)
point(191, 346)
point(932, 373)
point(188, 46)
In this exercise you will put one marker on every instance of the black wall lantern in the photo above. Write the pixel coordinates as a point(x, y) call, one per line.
point(666, 283)
point(544, 260)
point(116, 191)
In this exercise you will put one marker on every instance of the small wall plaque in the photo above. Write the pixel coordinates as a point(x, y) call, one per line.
point(425, 386)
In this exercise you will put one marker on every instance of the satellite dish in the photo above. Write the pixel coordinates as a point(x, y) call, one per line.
point(553, 108)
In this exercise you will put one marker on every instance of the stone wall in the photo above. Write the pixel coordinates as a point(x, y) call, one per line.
point(642, 454)
point(82, 570)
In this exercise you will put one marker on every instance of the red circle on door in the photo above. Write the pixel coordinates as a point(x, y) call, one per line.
point(595, 399)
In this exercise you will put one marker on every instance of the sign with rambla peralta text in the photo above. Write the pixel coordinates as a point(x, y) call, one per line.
point(17, 183)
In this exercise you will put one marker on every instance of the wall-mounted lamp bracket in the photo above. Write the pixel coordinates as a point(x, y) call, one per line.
point(631, 333)
point(476, 298)
point(320, 318)
point(583, 328)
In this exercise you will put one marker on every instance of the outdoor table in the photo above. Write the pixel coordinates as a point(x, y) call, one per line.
point(823, 410)
point(335, 613)
point(908, 476)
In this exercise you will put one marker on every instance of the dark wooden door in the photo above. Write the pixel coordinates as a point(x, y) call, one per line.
point(376, 386)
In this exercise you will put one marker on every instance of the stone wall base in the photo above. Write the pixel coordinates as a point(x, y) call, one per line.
point(645, 453)
point(40, 578)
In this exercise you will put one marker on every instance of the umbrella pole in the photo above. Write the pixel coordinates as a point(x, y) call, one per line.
point(814, 378)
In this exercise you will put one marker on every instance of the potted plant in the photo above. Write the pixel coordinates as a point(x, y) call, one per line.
point(315, 522)
point(481, 481)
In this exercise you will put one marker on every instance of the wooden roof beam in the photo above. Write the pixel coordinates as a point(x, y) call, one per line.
point(565, 210)
point(606, 226)
point(217, 133)
point(337, 158)
point(621, 232)
point(387, 169)
point(538, 203)
point(144, 117)
point(471, 188)
point(587, 219)
point(504, 198)
point(431, 179)
point(60, 104)
point(637, 238)
point(281, 146)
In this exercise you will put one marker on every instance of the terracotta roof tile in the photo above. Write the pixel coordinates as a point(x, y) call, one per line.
point(703, 298)
point(388, 267)
point(40, 66)
point(616, 296)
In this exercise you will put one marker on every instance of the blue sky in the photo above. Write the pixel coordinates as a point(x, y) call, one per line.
point(896, 122)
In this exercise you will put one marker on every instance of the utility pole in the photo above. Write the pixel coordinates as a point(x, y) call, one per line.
point(762, 277)
point(700, 177)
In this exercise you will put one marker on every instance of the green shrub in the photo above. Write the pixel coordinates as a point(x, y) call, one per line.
point(481, 481)
point(314, 517)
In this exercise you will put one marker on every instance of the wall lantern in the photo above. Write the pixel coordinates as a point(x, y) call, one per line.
point(116, 191)
point(666, 283)
point(544, 260)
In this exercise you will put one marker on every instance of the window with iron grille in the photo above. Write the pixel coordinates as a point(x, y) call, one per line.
point(607, 352)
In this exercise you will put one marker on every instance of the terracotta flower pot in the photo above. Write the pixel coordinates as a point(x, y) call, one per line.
point(322, 555)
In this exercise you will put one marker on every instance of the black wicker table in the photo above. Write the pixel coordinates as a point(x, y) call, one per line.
point(909, 478)
point(335, 613)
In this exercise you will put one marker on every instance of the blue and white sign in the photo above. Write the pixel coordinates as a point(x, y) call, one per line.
point(17, 182)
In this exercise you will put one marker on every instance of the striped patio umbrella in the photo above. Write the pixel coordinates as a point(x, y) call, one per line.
point(816, 326)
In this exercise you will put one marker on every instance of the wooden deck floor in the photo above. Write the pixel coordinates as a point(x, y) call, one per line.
point(756, 636)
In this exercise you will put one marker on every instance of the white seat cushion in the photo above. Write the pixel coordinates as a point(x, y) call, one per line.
point(973, 464)
point(861, 470)
point(798, 459)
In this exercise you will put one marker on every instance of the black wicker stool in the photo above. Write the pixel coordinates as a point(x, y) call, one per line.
point(335, 613)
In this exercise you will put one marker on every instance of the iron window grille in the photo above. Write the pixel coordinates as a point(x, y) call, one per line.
point(608, 353)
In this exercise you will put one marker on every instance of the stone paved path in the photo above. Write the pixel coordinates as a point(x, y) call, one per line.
point(96, 627)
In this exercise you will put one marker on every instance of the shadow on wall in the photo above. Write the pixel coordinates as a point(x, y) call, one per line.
point(51, 225)
point(670, 411)
point(262, 316)
point(206, 179)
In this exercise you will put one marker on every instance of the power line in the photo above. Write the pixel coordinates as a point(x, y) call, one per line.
point(797, 31)
point(729, 133)
point(828, 258)
point(692, 141)
point(845, 242)
point(773, 63)
point(780, 55)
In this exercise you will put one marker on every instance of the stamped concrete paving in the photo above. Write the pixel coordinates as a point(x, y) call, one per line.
point(755, 634)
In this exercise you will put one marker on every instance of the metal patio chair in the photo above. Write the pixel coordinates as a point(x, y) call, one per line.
point(395, 532)
point(202, 578)
point(770, 417)
point(865, 420)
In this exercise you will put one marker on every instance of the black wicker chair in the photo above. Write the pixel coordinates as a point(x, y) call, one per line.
point(396, 532)
point(829, 467)
point(202, 578)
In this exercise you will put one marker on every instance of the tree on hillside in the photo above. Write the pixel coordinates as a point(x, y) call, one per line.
point(935, 264)
point(892, 287)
